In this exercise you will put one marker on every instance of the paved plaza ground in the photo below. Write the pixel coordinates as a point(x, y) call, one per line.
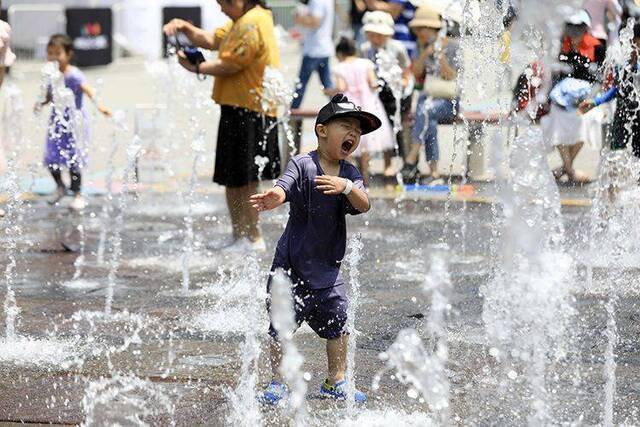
point(187, 346)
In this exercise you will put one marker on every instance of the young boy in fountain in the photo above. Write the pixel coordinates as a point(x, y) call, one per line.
point(322, 187)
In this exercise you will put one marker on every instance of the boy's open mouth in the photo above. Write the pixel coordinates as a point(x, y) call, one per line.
point(347, 145)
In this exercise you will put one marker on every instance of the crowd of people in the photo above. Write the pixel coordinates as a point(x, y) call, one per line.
point(426, 47)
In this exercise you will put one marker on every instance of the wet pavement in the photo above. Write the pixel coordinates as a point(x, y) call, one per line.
point(165, 354)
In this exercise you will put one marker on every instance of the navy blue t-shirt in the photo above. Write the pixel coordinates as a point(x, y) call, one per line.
point(313, 243)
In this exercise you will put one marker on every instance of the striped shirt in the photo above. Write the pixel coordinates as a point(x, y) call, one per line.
point(401, 27)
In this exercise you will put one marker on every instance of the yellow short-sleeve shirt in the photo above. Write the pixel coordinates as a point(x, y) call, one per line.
point(249, 43)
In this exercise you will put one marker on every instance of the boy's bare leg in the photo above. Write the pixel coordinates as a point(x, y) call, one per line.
point(275, 350)
point(337, 358)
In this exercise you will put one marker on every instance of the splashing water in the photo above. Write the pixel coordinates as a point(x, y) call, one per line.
point(389, 72)
point(78, 263)
point(527, 306)
point(198, 147)
point(353, 261)
point(125, 400)
point(283, 320)
point(278, 93)
point(133, 151)
point(49, 352)
point(119, 126)
point(12, 134)
point(245, 410)
point(425, 370)
point(611, 332)
point(615, 206)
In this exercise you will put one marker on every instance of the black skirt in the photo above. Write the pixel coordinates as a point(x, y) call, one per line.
point(245, 152)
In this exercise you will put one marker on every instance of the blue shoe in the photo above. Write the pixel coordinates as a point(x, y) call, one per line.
point(339, 391)
point(274, 393)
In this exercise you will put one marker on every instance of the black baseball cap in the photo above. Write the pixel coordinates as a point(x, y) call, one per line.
point(340, 106)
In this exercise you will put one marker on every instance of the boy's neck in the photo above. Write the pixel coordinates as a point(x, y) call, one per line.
point(324, 159)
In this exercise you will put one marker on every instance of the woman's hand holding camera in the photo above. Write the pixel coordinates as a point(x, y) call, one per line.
point(184, 61)
point(174, 27)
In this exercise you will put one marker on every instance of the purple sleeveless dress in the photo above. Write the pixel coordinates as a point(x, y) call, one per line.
point(68, 133)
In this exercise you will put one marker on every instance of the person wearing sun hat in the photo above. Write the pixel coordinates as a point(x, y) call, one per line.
point(322, 187)
point(402, 12)
point(437, 73)
point(378, 29)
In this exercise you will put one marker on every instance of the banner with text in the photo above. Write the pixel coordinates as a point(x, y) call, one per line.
point(91, 31)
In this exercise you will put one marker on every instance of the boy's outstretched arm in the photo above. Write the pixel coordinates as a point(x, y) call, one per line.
point(268, 200)
point(334, 185)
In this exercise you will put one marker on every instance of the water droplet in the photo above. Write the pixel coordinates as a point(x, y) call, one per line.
point(412, 393)
point(512, 375)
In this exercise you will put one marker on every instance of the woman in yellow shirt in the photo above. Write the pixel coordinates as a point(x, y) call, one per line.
point(246, 46)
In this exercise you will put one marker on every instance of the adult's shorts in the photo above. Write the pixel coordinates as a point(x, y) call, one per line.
point(247, 149)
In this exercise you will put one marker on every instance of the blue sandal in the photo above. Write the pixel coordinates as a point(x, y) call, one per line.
point(339, 391)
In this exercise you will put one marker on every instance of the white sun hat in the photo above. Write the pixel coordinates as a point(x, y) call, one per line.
point(581, 17)
point(451, 10)
point(378, 22)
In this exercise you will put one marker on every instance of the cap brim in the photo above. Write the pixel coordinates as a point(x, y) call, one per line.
point(368, 122)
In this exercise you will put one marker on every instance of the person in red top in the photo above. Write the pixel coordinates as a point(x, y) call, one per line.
point(562, 127)
point(578, 49)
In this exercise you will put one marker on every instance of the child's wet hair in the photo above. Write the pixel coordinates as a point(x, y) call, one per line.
point(61, 40)
point(346, 47)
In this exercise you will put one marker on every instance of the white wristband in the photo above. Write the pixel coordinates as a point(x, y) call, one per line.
point(348, 187)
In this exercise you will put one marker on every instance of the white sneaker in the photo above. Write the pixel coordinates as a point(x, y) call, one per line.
point(258, 245)
point(222, 244)
point(78, 203)
point(245, 246)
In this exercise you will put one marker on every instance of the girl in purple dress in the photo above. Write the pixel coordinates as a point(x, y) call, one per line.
point(68, 130)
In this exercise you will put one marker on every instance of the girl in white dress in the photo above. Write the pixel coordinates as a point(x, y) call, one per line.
point(356, 78)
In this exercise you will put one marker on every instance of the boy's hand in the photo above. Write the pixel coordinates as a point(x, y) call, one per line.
point(330, 185)
point(268, 200)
